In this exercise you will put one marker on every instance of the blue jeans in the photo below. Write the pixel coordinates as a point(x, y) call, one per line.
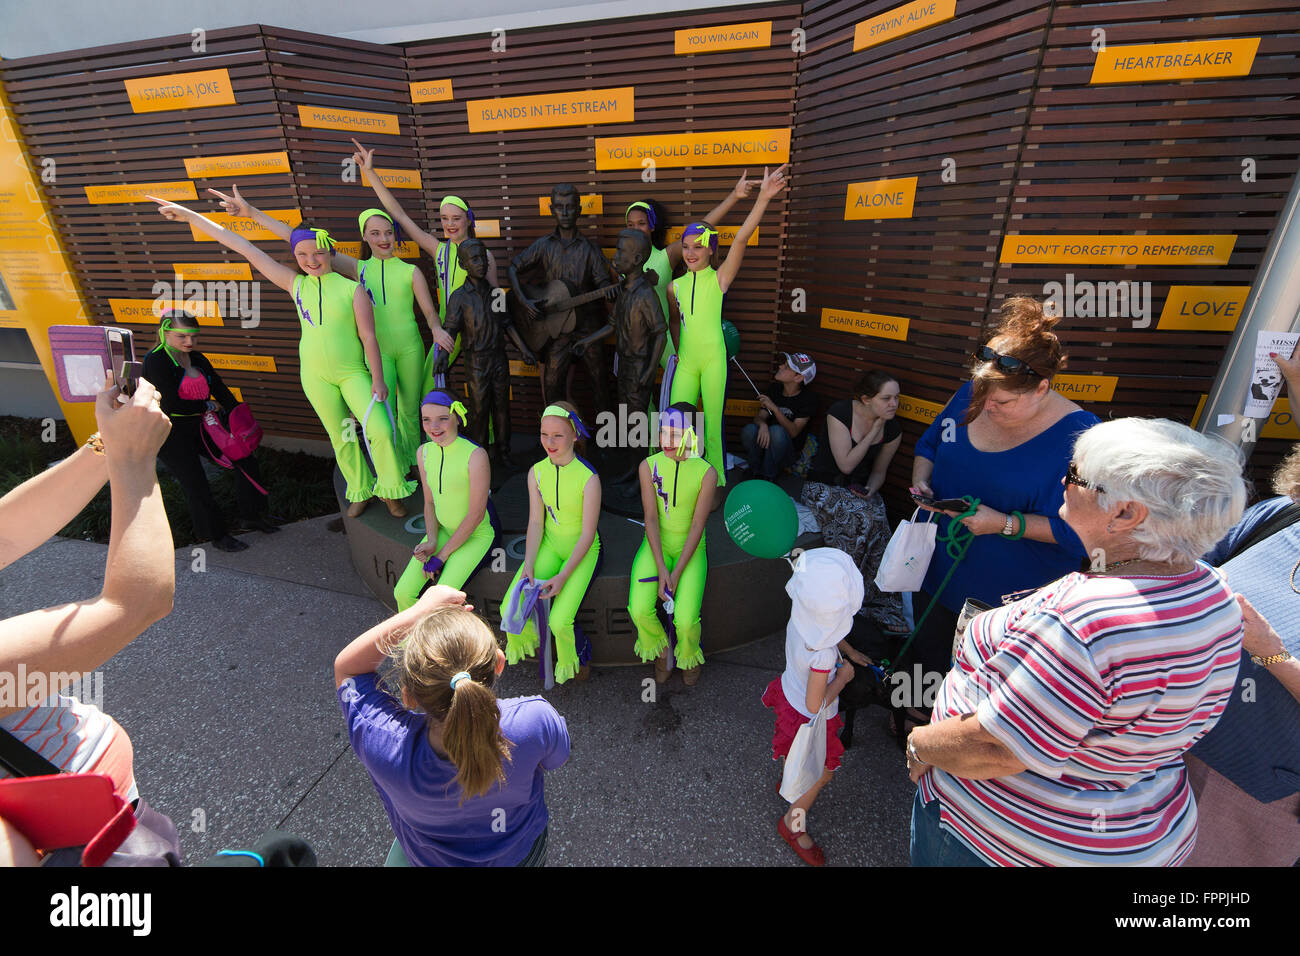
point(931, 844)
point(770, 461)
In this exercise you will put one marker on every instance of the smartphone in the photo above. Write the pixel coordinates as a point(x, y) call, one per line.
point(59, 810)
point(85, 354)
point(943, 504)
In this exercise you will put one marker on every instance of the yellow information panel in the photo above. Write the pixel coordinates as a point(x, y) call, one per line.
point(354, 121)
point(1281, 421)
point(918, 409)
point(741, 147)
point(734, 36)
point(140, 192)
point(395, 178)
point(575, 108)
point(866, 323)
point(1204, 308)
point(244, 363)
point(213, 270)
point(431, 91)
point(487, 228)
point(901, 21)
point(1086, 388)
point(593, 204)
point(517, 367)
point(249, 228)
point(1206, 250)
point(741, 407)
point(726, 235)
point(37, 288)
point(147, 311)
point(241, 164)
point(882, 199)
point(1186, 60)
point(180, 91)
point(408, 249)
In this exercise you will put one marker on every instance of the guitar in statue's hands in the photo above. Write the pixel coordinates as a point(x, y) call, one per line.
point(554, 308)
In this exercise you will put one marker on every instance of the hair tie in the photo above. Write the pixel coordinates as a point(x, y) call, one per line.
point(457, 677)
point(574, 420)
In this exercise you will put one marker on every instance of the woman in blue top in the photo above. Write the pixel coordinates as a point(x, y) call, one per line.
point(1005, 438)
point(459, 772)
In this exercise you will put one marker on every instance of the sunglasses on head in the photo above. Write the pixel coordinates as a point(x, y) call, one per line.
point(1005, 363)
point(1072, 478)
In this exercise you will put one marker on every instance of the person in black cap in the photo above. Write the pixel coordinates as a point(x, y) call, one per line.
point(774, 439)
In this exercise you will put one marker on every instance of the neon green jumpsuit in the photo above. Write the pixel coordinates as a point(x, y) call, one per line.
point(663, 270)
point(562, 497)
point(337, 382)
point(388, 283)
point(446, 474)
point(450, 277)
point(677, 488)
point(702, 358)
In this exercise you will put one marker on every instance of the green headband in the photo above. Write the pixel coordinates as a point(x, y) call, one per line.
point(454, 201)
point(636, 205)
point(361, 219)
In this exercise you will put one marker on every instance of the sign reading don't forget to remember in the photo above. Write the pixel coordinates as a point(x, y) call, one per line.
point(576, 108)
point(741, 147)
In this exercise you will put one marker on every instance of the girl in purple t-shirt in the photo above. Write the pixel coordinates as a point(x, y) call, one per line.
point(458, 771)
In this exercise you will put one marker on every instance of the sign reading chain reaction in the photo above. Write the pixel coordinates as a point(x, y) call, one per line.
point(866, 323)
point(735, 36)
point(742, 147)
point(882, 199)
point(247, 164)
point(354, 121)
point(901, 21)
point(431, 91)
point(577, 108)
point(1120, 250)
point(1189, 60)
point(180, 91)
point(1206, 308)
point(140, 192)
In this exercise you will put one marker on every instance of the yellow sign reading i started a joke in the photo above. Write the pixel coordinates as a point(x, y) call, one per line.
point(1205, 308)
point(741, 147)
point(901, 21)
point(140, 192)
point(866, 323)
point(180, 91)
point(244, 164)
point(1206, 250)
point(734, 36)
point(545, 110)
point(353, 121)
point(882, 199)
point(248, 228)
point(1164, 62)
point(1086, 388)
point(918, 409)
point(593, 204)
point(431, 91)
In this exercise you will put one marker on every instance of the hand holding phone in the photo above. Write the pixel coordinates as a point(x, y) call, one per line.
point(859, 491)
point(84, 356)
point(940, 504)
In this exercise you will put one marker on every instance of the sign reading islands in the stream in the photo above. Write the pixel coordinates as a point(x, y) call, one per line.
point(576, 108)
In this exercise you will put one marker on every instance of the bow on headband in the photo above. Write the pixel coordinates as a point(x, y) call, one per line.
point(708, 235)
point(559, 412)
point(322, 238)
point(442, 398)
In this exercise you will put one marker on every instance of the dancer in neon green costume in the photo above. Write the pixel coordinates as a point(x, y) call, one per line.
point(651, 217)
point(340, 364)
point(695, 302)
point(457, 225)
point(677, 490)
point(563, 547)
point(456, 475)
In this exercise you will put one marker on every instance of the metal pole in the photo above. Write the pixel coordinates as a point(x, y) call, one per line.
point(1272, 306)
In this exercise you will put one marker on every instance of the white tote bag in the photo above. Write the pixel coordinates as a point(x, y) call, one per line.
point(806, 759)
point(907, 556)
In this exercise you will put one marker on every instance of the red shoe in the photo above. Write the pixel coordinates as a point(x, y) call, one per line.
point(812, 855)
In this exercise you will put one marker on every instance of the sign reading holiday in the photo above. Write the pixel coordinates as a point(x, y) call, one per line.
point(901, 21)
point(1188, 60)
point(882, 199)
point(327, 117)
point(1208, 250)
point(866, 323)
point(1205, 308)
point(593, 204)
point(741, 147)
point(735, 36)
point(576, 108)
point(431, 91)
point(180, 91)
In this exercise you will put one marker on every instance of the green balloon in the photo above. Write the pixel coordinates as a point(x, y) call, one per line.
point(761, 519)
point(731, 336)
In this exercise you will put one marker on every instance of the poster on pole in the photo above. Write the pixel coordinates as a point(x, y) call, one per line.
point(1266, 377)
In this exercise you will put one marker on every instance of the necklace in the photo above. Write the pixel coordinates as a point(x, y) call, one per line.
point(1118, 564)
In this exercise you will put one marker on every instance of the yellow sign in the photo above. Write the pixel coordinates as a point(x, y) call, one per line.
point(431, 91)
point(37, 288)
point(180, 91)
point(1187, 60)
point(213, 270)
point(1086, 388)
point(726, 235)
point(243, 164)
point(487, 228)
point(735, 36)
point(147, 311)
point(395, 178)
point(1208, 250)
point(407, 250)
point(866, 323)
point(576, 108)
point(901, 21)
point(248, 228)
point(882, 199)
point(741, 147)
point(517, 367)
point(328, 117)
point(1206, 308)
point(246, 363)
point(918, 409)
point(747, 408)
point(140, 192)
point(593, 204)
point(238, 393)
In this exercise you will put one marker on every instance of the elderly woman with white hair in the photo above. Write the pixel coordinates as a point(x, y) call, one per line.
point(1058, 736)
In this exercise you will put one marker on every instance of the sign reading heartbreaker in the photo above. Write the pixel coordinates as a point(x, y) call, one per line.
point(327, 117)
point(735, 36)
point(180, 91)
point(739, 147)
point(576, 108)
point(1208, 250)
point(1189, 60)
point(901, 21)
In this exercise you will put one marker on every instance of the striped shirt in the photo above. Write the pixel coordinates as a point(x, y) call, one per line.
point(76, 737)
point(1098, 685)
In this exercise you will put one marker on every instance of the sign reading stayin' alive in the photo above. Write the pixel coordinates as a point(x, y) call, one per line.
point(1207, 250)
point(901, 21)
point(741, 147)
point(882, 199)
point(576, 108)
point(180, 91)
point(734, 36)
point(1188, 60)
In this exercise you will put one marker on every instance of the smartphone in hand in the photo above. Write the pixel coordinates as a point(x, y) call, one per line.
point(942, 504)
point(84, 355)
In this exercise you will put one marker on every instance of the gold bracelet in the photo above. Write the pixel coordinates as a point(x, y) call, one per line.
point(1273, 659)
point(95, 444)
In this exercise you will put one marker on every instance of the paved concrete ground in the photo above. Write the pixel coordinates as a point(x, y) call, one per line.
point(230, 706)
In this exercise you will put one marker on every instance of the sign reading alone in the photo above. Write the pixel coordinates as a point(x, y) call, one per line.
point(741, 147)
point(576, 108)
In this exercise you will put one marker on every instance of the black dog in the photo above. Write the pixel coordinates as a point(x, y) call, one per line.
point(870, 685)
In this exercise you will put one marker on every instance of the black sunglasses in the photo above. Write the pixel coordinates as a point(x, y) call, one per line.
point(1072, 478)
point(1006, 363)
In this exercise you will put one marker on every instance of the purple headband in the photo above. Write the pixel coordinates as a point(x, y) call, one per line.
point(702, 229)
point(318, 236)
point(674, 418)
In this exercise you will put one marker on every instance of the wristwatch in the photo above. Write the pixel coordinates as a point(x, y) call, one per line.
point(1009, 528)
point(95, 444)
point(1271, 659)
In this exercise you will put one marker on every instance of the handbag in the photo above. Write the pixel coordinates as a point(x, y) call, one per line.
point(907, 556)
point(806, 760)
point(234, 441)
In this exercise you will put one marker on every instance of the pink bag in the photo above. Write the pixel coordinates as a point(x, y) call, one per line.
point(238, 441)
